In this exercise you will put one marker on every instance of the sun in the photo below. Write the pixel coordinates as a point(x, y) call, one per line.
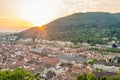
point(39, 12)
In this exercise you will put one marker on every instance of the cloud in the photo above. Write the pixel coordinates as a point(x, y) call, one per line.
point(71, 6)
point(108, 5)
point(79, 3)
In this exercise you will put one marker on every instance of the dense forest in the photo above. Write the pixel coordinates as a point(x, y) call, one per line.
point(89, 27)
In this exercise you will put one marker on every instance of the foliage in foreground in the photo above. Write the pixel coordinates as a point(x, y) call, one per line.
point(16, 74)
point(94, 77)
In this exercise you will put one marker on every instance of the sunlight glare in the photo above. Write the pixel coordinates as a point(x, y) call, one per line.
point(39, 12)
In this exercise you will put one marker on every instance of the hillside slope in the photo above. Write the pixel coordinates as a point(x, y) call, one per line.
point(79, 27)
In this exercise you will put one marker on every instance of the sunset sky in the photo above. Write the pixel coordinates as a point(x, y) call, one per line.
point(16, 15)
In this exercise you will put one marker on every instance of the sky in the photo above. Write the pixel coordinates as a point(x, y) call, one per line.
point(17, 15)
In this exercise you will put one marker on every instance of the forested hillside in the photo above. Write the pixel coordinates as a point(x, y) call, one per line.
point(89, 27)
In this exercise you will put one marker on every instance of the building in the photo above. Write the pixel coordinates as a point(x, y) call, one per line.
point(40, 51)
point(106, 66)
point(71, 58)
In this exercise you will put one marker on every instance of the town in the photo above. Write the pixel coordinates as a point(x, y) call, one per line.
point(57, 60)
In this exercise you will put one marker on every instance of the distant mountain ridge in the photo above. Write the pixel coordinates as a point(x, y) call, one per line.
point(78, 27)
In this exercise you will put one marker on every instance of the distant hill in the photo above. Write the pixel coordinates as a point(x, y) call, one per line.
point(89, 27)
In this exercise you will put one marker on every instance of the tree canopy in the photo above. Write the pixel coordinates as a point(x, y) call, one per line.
point(16, 74)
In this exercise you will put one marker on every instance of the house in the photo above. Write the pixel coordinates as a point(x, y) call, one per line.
point(106, 66)
point(100, 74)
point(50, 75)
point(80, 69)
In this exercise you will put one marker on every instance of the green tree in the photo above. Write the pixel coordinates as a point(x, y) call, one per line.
point(16, 74)
point(117, 77)
point(101, 70)
point(114, 46)
point(91, 77)
point(82, 77)
point(118, 60)
point(92, 61)
point(97, 69)
point(119, 71)
point(104, 78)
